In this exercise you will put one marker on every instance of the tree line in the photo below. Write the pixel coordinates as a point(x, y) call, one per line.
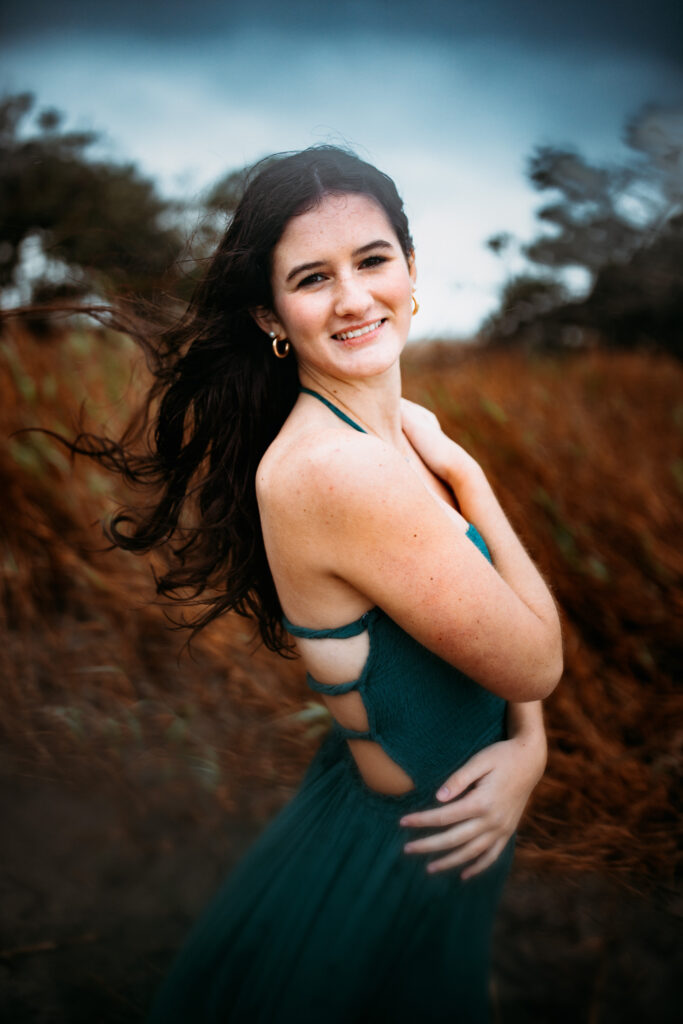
point(74, 225)
point(622, 226)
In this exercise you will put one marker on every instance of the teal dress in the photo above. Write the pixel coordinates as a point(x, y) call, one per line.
point(326, 919)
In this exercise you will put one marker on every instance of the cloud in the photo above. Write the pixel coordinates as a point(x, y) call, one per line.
point(452, 124)
point(614, 25)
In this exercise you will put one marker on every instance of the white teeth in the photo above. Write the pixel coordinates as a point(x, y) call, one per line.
point(359, 332)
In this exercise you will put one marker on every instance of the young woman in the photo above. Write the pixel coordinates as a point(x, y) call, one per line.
point(316, 499)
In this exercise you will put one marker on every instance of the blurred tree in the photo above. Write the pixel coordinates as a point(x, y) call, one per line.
point(70, 225)
point(640, 301)
point(621, 225)
point(224, 195)
point(523, 298)
point(207, 219)
point(590, 229)
point(210, 216)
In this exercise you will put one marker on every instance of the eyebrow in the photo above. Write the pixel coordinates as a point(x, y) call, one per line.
point(379, 243)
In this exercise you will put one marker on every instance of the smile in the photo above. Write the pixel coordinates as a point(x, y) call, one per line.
point(359, 332)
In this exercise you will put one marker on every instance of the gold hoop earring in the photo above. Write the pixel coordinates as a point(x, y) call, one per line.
point(276, 341)
point(416, 304)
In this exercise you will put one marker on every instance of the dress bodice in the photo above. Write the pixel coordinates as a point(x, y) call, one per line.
point(427, 715)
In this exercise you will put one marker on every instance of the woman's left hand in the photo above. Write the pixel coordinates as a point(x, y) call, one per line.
point(482, 803)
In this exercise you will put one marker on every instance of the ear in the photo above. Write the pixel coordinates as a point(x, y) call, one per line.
point(412, 269)
point(267, 320)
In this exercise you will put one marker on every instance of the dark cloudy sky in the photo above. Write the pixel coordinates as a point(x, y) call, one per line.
point(654, 27)
point(448, 96)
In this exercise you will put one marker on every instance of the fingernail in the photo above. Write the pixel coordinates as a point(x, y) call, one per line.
point(404, 821)
point(432, 868)
point(443, 793)
point(407, 848)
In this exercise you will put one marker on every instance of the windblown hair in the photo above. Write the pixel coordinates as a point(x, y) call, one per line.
point(219, 399)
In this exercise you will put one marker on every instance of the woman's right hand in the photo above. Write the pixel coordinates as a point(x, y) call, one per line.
point(443, 456)
point(483, 801)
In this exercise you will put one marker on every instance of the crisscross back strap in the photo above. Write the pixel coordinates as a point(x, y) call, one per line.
point(335, 633)
point(331, 689)
point(353, 734)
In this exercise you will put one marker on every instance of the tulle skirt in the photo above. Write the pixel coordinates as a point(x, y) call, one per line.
point(327, 919)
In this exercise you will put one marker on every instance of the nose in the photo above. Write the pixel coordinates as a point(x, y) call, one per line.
point(352, 297)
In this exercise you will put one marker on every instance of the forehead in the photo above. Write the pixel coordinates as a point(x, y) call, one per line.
point(334, 225)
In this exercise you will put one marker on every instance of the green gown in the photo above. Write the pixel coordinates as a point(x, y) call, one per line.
point(326, 919)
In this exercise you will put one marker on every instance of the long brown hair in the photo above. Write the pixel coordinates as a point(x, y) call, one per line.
point(219, 398)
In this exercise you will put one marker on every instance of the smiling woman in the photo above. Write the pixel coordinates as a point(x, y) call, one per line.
point(304, 491)
point(349, 310)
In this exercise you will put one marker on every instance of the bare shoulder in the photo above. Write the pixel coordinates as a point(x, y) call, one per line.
point(344, 517)
point(304, 472)
point(350, 500)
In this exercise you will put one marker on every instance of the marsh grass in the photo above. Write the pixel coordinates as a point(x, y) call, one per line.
point(586, 454)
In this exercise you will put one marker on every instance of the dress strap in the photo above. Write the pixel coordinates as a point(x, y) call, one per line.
point(335, 633)
point(331, 689)
point(335, 410)
point(478, 541)
point(352, 734)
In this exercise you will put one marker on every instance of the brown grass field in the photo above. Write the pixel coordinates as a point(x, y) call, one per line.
point(100, 708)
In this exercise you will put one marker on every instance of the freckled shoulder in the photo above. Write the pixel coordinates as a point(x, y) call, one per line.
point(299, 474)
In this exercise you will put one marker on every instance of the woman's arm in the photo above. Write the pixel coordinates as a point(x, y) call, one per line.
point(484, 800)
point(368, 521)
point(479, 505)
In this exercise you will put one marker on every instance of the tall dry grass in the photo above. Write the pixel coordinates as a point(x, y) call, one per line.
point(585, 452)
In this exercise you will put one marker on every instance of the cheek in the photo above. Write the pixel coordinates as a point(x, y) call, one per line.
point(302, 313)
point(401, 292)
point(401, 282)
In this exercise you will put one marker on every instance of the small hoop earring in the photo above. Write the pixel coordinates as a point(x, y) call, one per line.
point(416, 304)
point(276, 342)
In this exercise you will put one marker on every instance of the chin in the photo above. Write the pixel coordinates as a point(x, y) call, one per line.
point(371, 361)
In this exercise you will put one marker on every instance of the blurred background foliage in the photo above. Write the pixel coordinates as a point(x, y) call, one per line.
point(585, 451)
point(71, 225)
point(74, 226)
point(622, 226)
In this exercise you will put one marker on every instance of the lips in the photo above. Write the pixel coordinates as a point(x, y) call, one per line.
point(358, 332)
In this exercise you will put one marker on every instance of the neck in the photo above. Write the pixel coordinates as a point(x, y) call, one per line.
point(373, 402)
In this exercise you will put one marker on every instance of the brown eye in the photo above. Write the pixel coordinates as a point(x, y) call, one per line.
point(373, 261)
point(311, 279)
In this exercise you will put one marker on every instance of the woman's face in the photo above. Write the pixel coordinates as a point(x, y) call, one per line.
point(341, 288)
